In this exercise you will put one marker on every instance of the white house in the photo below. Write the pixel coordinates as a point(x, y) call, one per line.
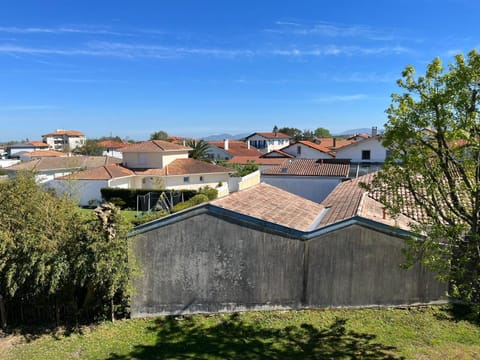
point(268, 141)
point(64, 140)
point(312, 179)
point(367, 150)
point(308, 150)
point(15, 150)
point(227, 149)
point(153, 164)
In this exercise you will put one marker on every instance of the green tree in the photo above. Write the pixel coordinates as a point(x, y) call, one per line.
point(36, 234)
point(199, 149)
point(91, 147)
point(322, 132)
point(294, 133)
point(159, 135)
point(433, 135)
point(106, 256)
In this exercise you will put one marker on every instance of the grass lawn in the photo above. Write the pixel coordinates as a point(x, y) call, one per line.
point(414, 333)
point(128, 214)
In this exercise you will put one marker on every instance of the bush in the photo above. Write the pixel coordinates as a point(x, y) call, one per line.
point(150, 217)
point(211, 193)
point(196, 200)
point(129, 196)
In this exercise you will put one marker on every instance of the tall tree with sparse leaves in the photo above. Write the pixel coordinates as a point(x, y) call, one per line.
point(433, 135)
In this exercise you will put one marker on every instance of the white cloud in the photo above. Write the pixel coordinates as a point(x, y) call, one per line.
point(334, 30)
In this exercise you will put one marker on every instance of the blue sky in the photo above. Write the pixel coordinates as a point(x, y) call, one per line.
point(196, 68)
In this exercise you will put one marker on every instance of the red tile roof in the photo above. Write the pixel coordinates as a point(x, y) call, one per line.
point(237, 148)
point(318, 147)
point(38, 144)
point(185, 167)
point(329, 142)
point(155, 146)
point(64, 162)
point(277, 154)
point(105, 172)
point(310, 167)
point(44, 153)
point(112, 144)
point(65, 132)
point(271, 135)
point(244, 160)
point(274, 205)
point(348, 199)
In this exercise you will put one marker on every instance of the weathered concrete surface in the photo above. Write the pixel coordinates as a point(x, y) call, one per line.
point(205, 263)
point(357, 266)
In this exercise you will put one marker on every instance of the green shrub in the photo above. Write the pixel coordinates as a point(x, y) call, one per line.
point(130, 195)
point(150, 217)
point(211, 193)
point(118, 202)
point(196, 200)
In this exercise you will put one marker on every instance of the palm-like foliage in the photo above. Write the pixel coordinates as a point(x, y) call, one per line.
point(199, 150)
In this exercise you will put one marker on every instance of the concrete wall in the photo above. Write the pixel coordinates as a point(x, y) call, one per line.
point(314, 188)
point(357, 266)
point(206, 263)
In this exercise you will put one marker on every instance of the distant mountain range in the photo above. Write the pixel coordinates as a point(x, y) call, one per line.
point(358, 131)
point(219, 137)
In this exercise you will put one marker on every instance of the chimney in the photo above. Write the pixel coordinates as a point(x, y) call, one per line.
point(374, 131)
point(248, 144)
point(334, 142)
point(225, 144)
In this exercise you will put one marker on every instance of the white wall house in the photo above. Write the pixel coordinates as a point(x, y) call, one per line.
point(368, 150)
point(308, 150)
point(150, 165)
point(15, 150)
point(268, 141)
point(227, 149)
point(64, 140)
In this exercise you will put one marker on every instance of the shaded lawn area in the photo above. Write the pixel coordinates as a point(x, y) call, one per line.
point(415, 333)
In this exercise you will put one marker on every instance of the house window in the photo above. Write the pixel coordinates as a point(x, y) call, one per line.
point(201, 178)
point(299, 150)
point(388, 153)
point(365, 154)
point(186, 179)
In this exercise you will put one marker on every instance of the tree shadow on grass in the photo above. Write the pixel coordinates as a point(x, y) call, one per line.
point(236, 339)
point(460, 312)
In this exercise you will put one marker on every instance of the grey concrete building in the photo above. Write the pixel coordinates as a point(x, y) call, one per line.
point(264, 248)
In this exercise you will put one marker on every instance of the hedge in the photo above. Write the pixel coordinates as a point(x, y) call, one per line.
point(127, 198)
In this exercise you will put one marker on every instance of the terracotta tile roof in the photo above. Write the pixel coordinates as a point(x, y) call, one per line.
point(244, 160)
point(112, 144)
point(105, 172)
point(237, 148)
point(348, 199)
point(270, 135)
point(61, 163)
point(277, 154)
point(272, 204)
point(329, 142)
point(44, 153)
point(318, 147)
point(310, 167)
point(185, 167)
point(38, 144)
point(155, 146)
point(65, 132)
